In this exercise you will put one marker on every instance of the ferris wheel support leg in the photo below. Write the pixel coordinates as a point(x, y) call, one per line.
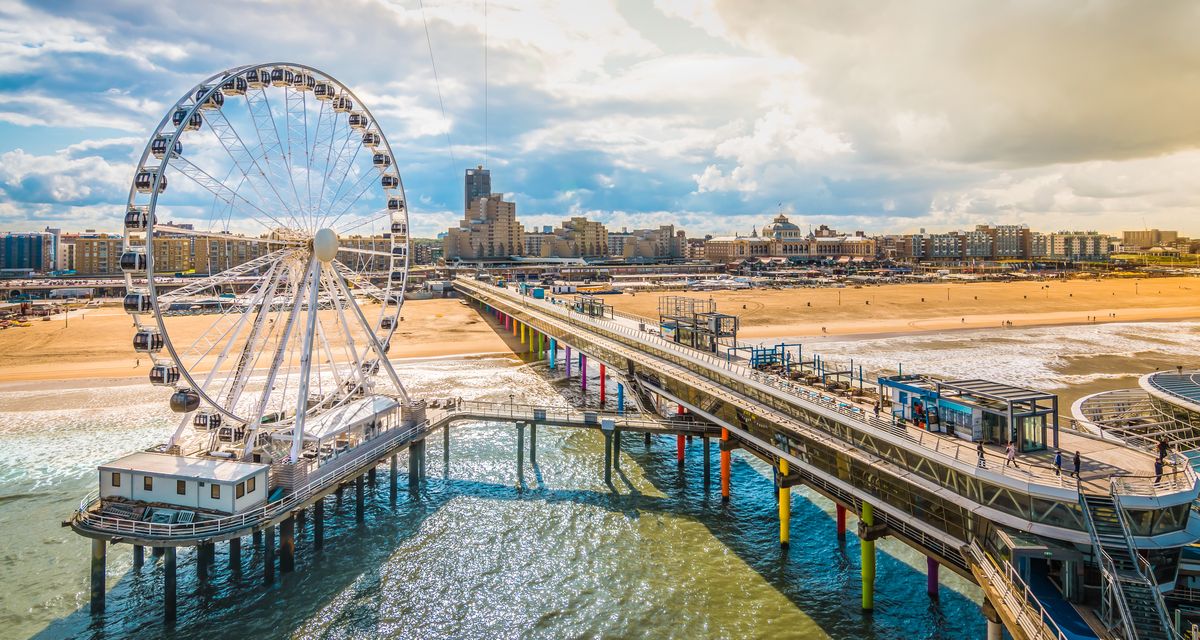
point(306, 349)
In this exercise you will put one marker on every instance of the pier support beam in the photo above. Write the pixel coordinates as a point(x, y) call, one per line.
point(414, 467)
point(99, 567)
point(707, 462)
point(553, 353)
point(157, 552)
point(287, 545)
point(392, 477)
point(616, 449)
point(725, 463)
point(256, 538)
point(235, 556)
point(269, 554)
point(607, 456)
point(621, 398)
point(931, 579)
point(603, 374)
point(568, 361)
point(371, 476)
point(168, 583)
point(139, 556)
point(583, 374)
point(319, 524)
point(532, 444)
point(841, 522)
point(358, 499)
point(647, 439)
point(202, 552)
point(446, 450)
point(867, 548)
point(785, 506)
point(520, 454)
point(679, 449)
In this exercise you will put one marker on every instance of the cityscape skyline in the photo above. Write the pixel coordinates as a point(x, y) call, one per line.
point(702, 115)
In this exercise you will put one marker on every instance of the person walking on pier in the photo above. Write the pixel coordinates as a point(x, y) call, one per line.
point(1010, 456)
point(1076, 461)
point(1162, 448)
point(1158, 468)
point(877, 410)
point(1057, 462)
point(982, 460)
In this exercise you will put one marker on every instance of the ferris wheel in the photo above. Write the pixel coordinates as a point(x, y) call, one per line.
point(275, 296)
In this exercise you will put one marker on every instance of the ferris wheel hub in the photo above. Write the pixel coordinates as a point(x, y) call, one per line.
point(325, 245)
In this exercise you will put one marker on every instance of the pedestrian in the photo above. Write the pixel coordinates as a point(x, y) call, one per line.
point(982, 460)
point(1158, 467)
point(876, 409)
point(1162, 448)
point(1057, 462)
point(137, 363)
point(1076, 461)
point(1010, 456)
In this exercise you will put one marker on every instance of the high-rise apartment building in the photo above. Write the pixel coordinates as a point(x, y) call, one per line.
point(477, 184)
point(489, 230)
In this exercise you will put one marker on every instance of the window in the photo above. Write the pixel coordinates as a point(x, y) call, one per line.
point(181, 487)
point(250, 485)
point(215, 491)
point(240, 490)
point(148, 483)
point(116, 479)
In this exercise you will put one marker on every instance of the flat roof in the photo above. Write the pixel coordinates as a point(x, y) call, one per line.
point(1181, 389)
point(996, 390)
point(185, 467)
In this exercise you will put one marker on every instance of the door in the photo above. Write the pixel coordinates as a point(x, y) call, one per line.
point(1033, 433)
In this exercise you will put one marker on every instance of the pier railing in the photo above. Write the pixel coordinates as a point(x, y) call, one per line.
point(938, 446)
point(1015, 596)
point(477, 409)
point(90, 519)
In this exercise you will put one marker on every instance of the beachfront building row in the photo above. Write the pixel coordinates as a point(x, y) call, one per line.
point(996, 242)
point(784, 239)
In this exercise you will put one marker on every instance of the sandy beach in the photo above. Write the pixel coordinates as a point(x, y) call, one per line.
point(96, 342)
point(910, 308)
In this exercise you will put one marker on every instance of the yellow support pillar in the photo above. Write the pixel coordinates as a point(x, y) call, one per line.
point(867, 547)
point(785, 505)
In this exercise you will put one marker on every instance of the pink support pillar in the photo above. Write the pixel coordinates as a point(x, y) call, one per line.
point(601, 386)
point(583, 372)
point(568, 362)
point(931, 581)
point(679, 448)
point(841, 522)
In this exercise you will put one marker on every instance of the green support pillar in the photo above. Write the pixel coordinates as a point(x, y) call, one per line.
point(867, 547)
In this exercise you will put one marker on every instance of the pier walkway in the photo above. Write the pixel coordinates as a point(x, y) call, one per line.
point(928, 489)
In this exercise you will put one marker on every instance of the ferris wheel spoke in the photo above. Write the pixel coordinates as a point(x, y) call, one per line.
point(341, 163)
point(372, 339)
point(267, 284)
point(347, 332)
point(270, 146)
point(360, 187)
point(260, 334)
point(276, 362)
point(296, 125)
point(367, 221)
point(218, 188)
point(284, 155)
point(226, 276)
point(360, 283)
point(306, 352)
point(243, 158)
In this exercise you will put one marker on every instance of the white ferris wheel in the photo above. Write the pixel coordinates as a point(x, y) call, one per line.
point(297, 241)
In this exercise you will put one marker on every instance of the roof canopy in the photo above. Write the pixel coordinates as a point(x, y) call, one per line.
point(346, 417)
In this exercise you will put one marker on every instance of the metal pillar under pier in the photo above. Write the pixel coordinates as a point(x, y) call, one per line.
point(931, 579)
point(202, 552)
point(99, 566)
point(725, 463)
point(679, 449)
point(603, 376)
point(446, 450)
point(157, 552)
point(841, 522)
point(139, 556)
point(616, 449)
point(647, 439)
point(169, 579)
point(785, 506)
point(371, 475)
point(520, 454)
point(867, 555)
point(414, 467)
point(269, 554)
point(257, 538)
point(235, 556)
point(392, 477)
point(287, 545)
point(301, 517)
point(359, 507)
point(319, 523)
point(607, 457)
point(707, 462)
point(532, 444)
point(620, 398)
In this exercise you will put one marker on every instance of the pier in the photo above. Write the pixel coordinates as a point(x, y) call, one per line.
point(973, 513)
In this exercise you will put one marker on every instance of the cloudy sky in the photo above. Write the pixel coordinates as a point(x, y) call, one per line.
point(710, 114)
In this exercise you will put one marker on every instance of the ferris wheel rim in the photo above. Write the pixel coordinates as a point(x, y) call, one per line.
point(191, 102)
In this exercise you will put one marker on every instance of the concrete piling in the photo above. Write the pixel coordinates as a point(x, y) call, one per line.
point(98, 574)
point(269, 554)
point(169, 582)
point(319, 524)
point(235, 556)
point(287, 545)
point(931, 577)
point(359, 514)
point(520, 453)
point(707, 461)
point(139, 556)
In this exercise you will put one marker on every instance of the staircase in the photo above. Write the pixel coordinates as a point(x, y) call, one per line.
point(1129, 583)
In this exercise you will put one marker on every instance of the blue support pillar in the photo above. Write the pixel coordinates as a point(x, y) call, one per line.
point(620, 398)
point(553, 353)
